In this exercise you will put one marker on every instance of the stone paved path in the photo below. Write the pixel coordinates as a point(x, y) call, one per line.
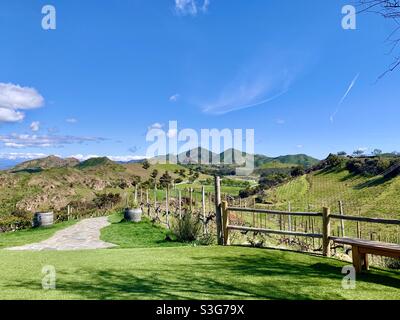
point(81, 236)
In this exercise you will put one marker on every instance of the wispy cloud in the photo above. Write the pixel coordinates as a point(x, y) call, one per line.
point(352, 83)
point(252, 90)
point(71, 120)
point(22, 155)
point(14, 98)
point(35, 126)
point(191, 7)
point(174, 98)
point(19, 141)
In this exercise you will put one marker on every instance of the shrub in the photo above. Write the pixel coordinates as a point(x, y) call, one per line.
point(392, 263)
point(178, 180)
point(188, 228)
point(297, 171)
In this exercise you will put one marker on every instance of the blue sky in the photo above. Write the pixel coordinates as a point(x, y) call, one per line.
point(112, 69)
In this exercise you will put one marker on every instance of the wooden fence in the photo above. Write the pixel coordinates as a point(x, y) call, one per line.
point(326, 216)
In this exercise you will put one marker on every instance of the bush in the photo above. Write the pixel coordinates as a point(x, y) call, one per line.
point(178, 180)
point(297, 171)
point(188, 228)
point(392, 263)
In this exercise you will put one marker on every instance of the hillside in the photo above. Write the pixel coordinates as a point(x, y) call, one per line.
point(46, 163)
point(233, 157)
point(57, 183)
point(374, 196)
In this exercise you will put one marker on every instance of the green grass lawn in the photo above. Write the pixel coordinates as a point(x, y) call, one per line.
point(22, 237)
point(136, 235)
point(144, 266)
point(186, 273)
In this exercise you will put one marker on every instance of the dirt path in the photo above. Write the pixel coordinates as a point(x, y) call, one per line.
point(82, 236)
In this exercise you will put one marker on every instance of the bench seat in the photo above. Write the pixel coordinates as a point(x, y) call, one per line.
point(361, 248)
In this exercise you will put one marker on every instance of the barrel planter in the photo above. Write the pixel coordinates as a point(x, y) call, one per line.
point(43, 219)
point(133, 215)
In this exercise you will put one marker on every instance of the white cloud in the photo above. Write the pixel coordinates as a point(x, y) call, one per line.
point(280, 121)
point(299, 146)
point(15, 140)
point(8, 115)
point(14, 98)
point(22, 156)
point(174, 98)
point(191, 7)
point(247, 95)
point(35, 126)
point(71, 120)
point(80, 157)
point(258, 82)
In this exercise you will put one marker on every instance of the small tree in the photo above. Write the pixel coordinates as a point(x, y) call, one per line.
point(342, 153)
point(165, 180)
point(297, 172)
point(377, 152)
point(154, 174)
point(146, 164)
point(358, 152)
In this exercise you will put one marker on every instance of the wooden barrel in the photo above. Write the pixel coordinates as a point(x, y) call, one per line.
point(133, 215)
point(43, 219)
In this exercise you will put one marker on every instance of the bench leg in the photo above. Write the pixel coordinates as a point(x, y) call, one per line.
point(357, 263)
point(365, 261)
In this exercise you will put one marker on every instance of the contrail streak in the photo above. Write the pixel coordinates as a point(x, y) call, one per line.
point(353, 82)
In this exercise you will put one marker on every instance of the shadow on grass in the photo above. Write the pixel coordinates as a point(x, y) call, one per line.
point(258, 274)
point(376, 181)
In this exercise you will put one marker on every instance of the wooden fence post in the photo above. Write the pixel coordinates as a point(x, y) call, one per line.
point(167, 206)
point(341, 211)
point(218, 210)
point(326, 232)
point(290, 221)
point(225, 222)
point(135, 194)
point(191, 199)
point(180, 203)
point(203, 209)
point(155, 201)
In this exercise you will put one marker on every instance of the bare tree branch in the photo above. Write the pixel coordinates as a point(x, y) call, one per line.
point(388, 9)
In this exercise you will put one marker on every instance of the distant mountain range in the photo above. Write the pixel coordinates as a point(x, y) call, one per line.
point(236, 157)
point(228, 157)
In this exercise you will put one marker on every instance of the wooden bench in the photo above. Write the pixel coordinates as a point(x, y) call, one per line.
point(361, 249)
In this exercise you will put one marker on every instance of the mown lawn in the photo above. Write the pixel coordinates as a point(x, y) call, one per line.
point(22, 237)
point(145, 266)
point(186, 273)
point(136, 235)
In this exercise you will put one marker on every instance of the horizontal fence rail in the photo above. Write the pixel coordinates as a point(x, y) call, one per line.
point(365, 219)
point(326, 218)
point(266, 211)
point(271, 231)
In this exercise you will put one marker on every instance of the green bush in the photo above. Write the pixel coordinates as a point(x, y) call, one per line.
point(392, 263)
point(188, 228)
